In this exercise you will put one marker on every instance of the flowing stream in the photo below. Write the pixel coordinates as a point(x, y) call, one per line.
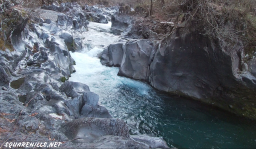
point(181, 122)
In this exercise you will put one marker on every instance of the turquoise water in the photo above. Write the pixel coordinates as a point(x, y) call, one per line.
point(181, 122)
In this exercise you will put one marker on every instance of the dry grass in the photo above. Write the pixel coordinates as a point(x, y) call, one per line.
point(4, 46)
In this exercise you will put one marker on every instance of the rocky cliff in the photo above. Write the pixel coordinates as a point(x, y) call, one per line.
point(191, 63)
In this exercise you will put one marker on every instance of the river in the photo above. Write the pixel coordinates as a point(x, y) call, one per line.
point(181, 122)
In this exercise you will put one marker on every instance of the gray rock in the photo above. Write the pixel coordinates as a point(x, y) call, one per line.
point(74, 89)
point(195, 65)
point(152, 142)
point(5, 76)
point(252, 67)
point(96, 111)
point(91, 99)
point(113, 55)
point(30, 124)
point(75, 106)
point(87, 130)
point(69, 41)
point(61, 8)
point(136, 59)
point(120, 24)
point(76, 25)
point(78, 44)
point(48, 21)
point(62, 20)
point(94, 17)
point(43, 36)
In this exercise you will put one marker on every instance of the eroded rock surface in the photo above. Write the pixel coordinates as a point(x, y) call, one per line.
point(191, 64)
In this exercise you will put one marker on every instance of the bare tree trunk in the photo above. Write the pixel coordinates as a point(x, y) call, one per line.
point(151, 8)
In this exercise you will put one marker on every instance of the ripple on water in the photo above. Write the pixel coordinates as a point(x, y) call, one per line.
point(181, 122)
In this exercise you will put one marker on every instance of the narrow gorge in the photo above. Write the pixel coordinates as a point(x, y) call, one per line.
point(89, 77)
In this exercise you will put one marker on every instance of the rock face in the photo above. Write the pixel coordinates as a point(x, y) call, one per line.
point(194, 65)
point(113, 55)
point(197, 66)
point(136, 60)
point(133, 58)
point(120, 24)
point(252, 67)
point(99, 18)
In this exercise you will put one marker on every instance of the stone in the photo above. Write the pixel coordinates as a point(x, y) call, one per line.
point(75, 105)
point(91, 99)
point(120, 24)
point(252, 67)
point(87, 130)
point(5, 76)
point(113, 55)
point(69, 41)
point(74, 89)
point(97, 112)
point(62, 20)
point(136, 59)
point(152, 142)
point(47, 21)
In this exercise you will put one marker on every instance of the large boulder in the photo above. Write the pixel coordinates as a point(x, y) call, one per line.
point(120, 24)
point(73, 89)
point(113, 55)
point(5, 76)
point(136, 60)
point(90, 129)
point(53, 7)
point(68, 39)
point(76, 21)
point(99, 18)
point(199, 66)
point(152, 142)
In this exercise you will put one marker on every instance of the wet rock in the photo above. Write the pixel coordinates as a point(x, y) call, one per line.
point(198, 66)
point(252, 67)
point(5, 76)
point(29, 124)
point(136, 60)
point(75, 106)
point(62, 20)
point(74, 89)
point(95, 111)
point(44, 36)
point(120, 24)
point(87, 130)
point(75, 24)
point(61, 8)
point(52, 95)
point(69, 41)
point(99, 18)
point(91, 99)
point(152, 142)
point(48, 21)
point(78, 44)
point(80, 21)
point(118, 142)
point(113, 55)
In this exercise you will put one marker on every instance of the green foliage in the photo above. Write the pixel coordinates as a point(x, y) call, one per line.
point(63, 79)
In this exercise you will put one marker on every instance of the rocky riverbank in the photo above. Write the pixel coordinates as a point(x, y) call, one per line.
point(187, 62)
point(37, 103)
